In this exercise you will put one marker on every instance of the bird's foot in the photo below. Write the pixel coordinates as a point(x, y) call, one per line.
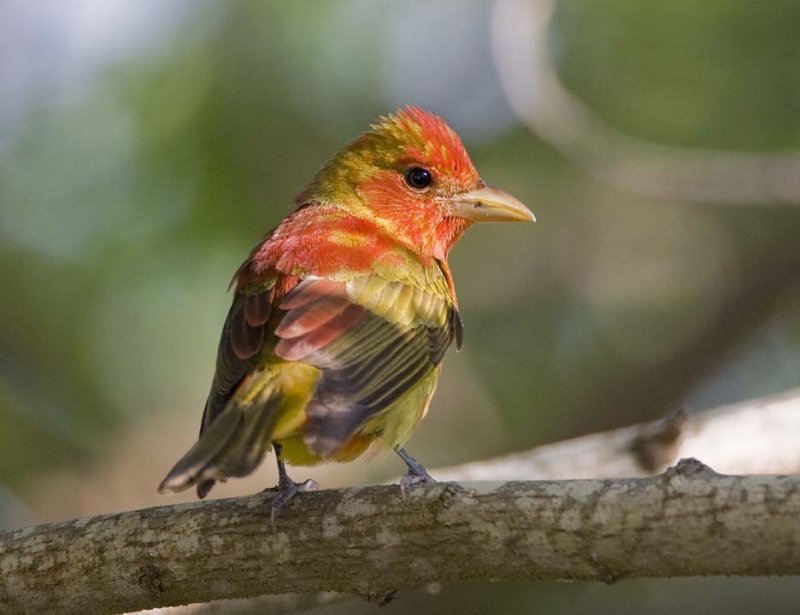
point(287, 489)
point(416, 475)
point(412, 479)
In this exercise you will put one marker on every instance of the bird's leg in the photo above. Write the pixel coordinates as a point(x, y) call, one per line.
point(416, 472)
point(286, 487)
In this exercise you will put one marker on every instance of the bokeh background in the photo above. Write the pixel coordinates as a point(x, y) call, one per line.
point(145, 146)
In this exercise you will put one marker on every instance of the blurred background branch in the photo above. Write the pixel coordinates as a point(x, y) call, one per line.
point(753, 437)
point(523, 52)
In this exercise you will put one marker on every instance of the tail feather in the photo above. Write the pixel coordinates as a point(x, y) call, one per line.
point(233, 445)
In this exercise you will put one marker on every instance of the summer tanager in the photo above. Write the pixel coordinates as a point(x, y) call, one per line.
point(343, 313)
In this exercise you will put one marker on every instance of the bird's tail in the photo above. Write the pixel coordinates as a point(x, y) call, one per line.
point(232, 445)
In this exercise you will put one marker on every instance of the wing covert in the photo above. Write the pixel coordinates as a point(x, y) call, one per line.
point(373, 339)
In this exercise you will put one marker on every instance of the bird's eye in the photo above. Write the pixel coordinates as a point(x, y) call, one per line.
point(419, 178)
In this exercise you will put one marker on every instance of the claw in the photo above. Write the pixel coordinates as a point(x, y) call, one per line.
point(416, 475)
point(309, 484)
point(409, 480)
point(286, 487)
point(286, 492)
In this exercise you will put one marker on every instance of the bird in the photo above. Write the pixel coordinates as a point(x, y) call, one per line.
point(342, 314)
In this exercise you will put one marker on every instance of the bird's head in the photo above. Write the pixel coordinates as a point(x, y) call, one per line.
point(412, 175)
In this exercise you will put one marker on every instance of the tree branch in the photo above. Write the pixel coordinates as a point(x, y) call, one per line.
point(368, 541)
point(758, 436)
point(689, 521)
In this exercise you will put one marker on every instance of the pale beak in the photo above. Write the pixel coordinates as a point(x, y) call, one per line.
point(490, 204)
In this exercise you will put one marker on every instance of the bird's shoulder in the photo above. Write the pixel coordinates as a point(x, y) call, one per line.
point(328, 241)
point(289, 305)
point(406, 299)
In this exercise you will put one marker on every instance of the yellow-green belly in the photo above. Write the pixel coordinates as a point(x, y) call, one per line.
point(391, 427)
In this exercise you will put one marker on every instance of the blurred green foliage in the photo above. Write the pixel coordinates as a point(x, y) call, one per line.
point(706, 74)
point(127, 200)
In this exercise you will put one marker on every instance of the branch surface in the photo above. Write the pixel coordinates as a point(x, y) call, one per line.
point(689, 521)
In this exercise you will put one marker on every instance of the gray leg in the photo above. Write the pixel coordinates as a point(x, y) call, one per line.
point(287, 488)
point(417, 474)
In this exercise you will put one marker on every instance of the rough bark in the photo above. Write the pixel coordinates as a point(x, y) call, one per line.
point(757, 436)
point(689, 521)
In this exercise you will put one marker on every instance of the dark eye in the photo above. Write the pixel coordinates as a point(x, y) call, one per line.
point(419, 178)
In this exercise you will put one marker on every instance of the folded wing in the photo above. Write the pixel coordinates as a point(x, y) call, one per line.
point(373, 340)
